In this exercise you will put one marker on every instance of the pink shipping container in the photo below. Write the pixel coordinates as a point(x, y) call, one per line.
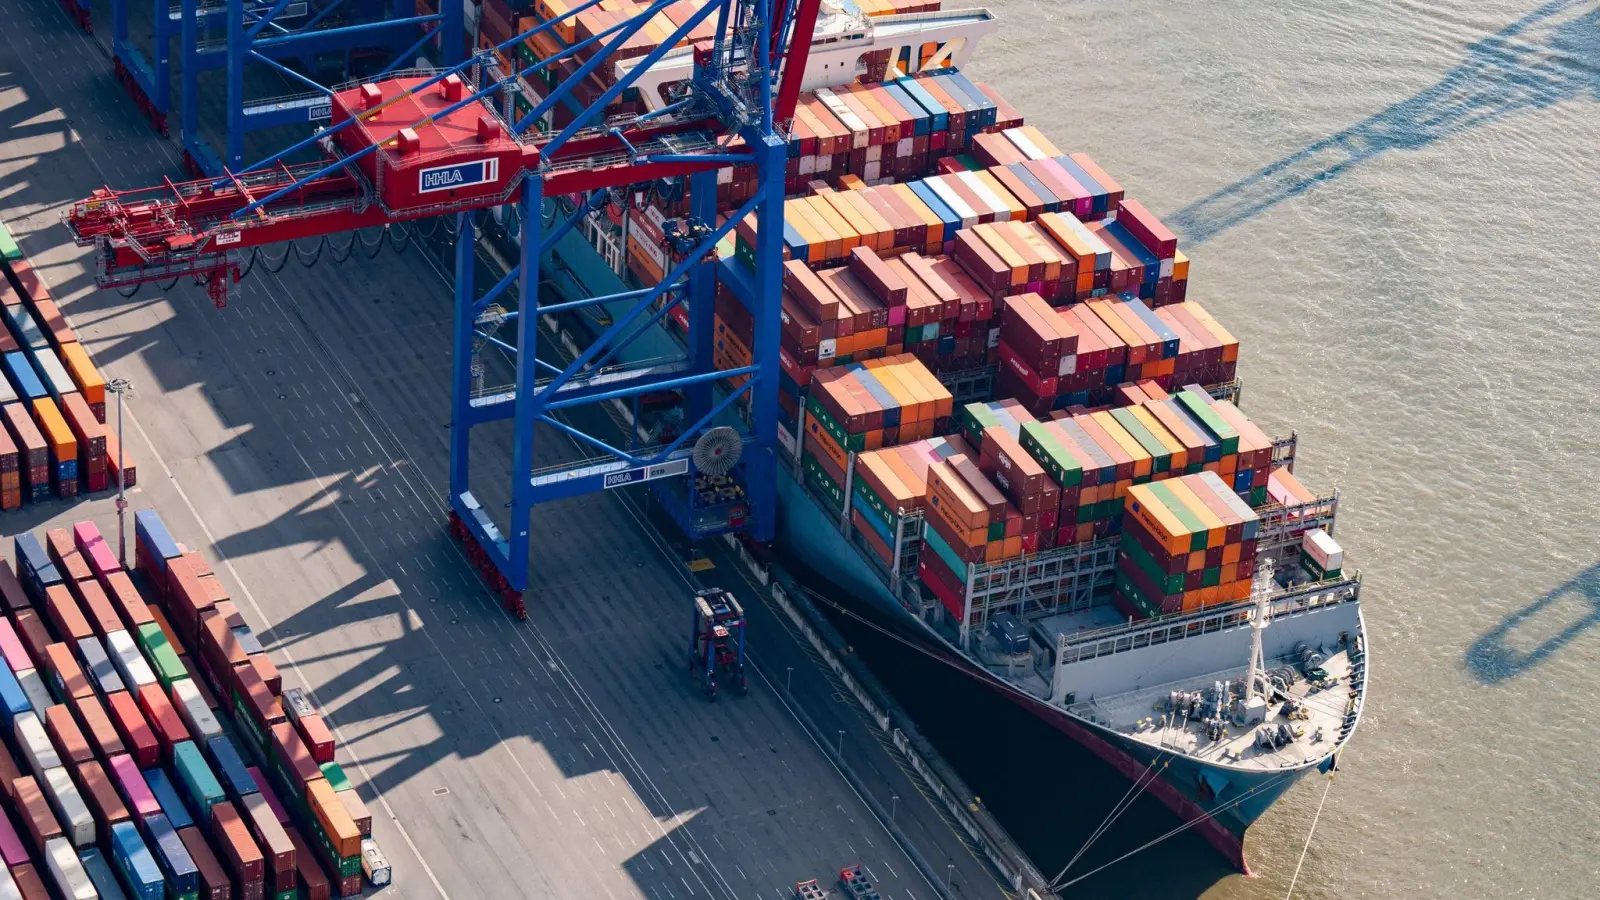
point(96, 552)
point(12, 850)
point(269, 795)
point(11, 648)
point(131, 785)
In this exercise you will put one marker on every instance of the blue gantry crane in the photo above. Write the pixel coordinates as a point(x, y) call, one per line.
point(410, 145)
point(298, 39)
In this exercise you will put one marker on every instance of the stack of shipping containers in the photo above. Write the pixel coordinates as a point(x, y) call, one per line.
point(1187, 543)
point(863, 407)
point(52, 400)
point(123, 772)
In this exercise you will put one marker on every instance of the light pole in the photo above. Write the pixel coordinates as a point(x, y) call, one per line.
point(894, 806)
point(949, 875)
point(841, 742)
point(121, 386)
point(788, 680)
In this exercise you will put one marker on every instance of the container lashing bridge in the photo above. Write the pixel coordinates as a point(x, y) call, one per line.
point(415, 144)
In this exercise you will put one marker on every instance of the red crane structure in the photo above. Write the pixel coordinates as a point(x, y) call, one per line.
point(422, 143)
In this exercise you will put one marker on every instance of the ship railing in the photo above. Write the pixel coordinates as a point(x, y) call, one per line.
point(1283, 450)
point(1165, 629)
point(1283, 527)
point(1229, 391)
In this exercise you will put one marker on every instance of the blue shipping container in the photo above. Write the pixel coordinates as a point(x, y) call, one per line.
point(236, 778)
point(172, 856)
point(20, 372)
point(12, 697)
point(152, 534)
point(167, 795)
point(34, 566)
point(100, 875)
point(135, 863)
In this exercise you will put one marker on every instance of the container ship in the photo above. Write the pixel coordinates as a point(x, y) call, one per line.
point(1011, 434)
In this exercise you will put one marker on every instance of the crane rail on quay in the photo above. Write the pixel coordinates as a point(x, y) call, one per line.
point(412, 144)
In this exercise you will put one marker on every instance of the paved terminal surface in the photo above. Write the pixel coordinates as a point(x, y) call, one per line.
point(298, 438)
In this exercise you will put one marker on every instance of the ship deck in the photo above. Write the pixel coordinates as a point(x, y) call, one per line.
point(298, 439)
point(1143, 714)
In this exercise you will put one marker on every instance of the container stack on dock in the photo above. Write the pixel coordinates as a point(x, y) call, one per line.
point(133, 777)
point(1187, 543)
point(52, 399)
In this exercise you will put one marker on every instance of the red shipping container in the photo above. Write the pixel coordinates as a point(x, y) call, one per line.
point(130, 607)
point(239, 851)
point(214, 884)
point(97, 727)
point(288, 747)
point(29, 884)
point(66, 619)
point(264, 709)
point(166, 722)
point(64, 674)
point(317, 736)
point(96, 606)
point(101, 795)
point(268, 673)
point(65, 734)
point(37, 818)
point(136, 733)
point(312, 879)
point(64, 553)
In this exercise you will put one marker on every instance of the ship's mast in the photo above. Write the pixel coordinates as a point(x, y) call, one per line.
point(1261, 593)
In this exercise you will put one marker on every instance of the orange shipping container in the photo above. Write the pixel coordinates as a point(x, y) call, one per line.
point(83, 372)
point(63, 446)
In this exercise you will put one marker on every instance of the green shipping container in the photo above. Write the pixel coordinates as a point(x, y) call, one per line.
point(8, 245)
point(1199, 405)
point(202, 787)
point(1169, 584)
point(349, 865)
point(336, 778)
point(162, 656)
point(1048, 453)
point(241, 715)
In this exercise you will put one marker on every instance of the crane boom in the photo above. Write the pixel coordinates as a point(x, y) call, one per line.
point(404, 147)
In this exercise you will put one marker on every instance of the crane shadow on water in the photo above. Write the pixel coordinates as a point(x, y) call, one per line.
point(1495, 657)
point(1541, 59)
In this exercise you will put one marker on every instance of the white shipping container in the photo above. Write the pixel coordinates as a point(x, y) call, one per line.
point(68, 803)
point(35, 744)
point(374, 864)
point(192, 707)
point(67, 871)
point(130, 663)
point(8, 886)
point(38, 694)
point(1323, 549)
point(98, 666)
